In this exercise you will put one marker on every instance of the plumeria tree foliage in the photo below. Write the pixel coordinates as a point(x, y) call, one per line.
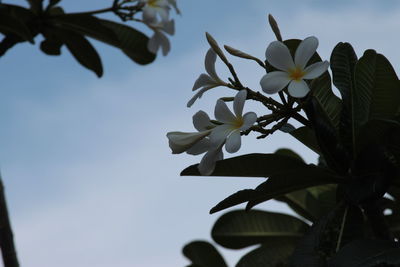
point(19, 24)
point(347, 204)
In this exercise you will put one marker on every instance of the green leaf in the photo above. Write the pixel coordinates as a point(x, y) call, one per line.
point(311, 203)
point(286, 174)
point(9, 24)
point(343, 61)
point(310, 250)
point(334, 153)
point(131, 41)
point(253, 165)
point(321, 90)
point(288, 152)
point(278, 185)
point(86, 25)
point(269, 255)
point(81, 49)
point(203, 254)
point(377, 94)
point(367, 253)
point(239, 229)
point(307, 136)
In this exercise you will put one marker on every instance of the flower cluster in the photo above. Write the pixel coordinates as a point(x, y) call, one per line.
point(156, 17)
point(289, 78)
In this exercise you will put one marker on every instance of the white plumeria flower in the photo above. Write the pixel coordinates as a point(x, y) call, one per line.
point(159, 39)
point(206, 81)
point(292, 72)
point(154, 8)
point(196, 143)
point(232, 124)
point(193, 143)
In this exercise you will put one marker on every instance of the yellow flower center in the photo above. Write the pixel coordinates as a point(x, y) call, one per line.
point(296, 74)
point(238, 122)
point(152, 3)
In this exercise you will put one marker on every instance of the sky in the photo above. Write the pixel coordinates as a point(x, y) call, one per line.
point(89, 177)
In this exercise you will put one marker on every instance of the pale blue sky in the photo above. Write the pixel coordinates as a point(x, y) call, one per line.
point(89, 176)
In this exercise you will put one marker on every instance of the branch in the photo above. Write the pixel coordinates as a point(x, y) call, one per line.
point(6, 235)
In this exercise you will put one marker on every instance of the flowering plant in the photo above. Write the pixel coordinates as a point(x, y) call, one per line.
point(347, 203)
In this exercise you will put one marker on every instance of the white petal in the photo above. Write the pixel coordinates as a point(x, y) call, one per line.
point(200, 147)
point(278, 55)
point(233, 142)
point(248, 120)
point(222, 112)
point(199, 94)
point(203, 80)
point(201, 121)
point(179, 141)
point(315, 70)
point(209, 64)
point(165, 45)
point(305, 51)
point(154, 43)
point(149, 14)
point(218, 134)
point(207, 163)
point(238, 102)
point(274, 81)
point(163, 11)
point(168, 27)
point(298, 88)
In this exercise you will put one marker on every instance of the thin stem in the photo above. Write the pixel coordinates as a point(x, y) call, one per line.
point(99, 11)
point(7, 246)
point(282, 96)
point(342, 229)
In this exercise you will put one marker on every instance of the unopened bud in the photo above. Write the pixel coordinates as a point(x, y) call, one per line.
point(215, 47)
point(241, 54)
point(274, 27)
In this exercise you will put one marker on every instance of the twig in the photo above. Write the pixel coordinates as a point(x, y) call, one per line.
point(342, 229)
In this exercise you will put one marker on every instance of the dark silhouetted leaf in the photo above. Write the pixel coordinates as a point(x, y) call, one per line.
point(377, 94)
point(322, 92)
point(288, 152)
point(203, 254)
point(132, 42)
point(51, 47)
point(9, 24)
point(87, 25)
point(253, 165)
point(239, 229)
point(307, 136)
point(367, 253)
point(334, 153)
point(36, 5)
point(309, 250)
point(81, 49)
point(278, 185)
point(343, 61)
point(269, 255)
point(311, 203)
